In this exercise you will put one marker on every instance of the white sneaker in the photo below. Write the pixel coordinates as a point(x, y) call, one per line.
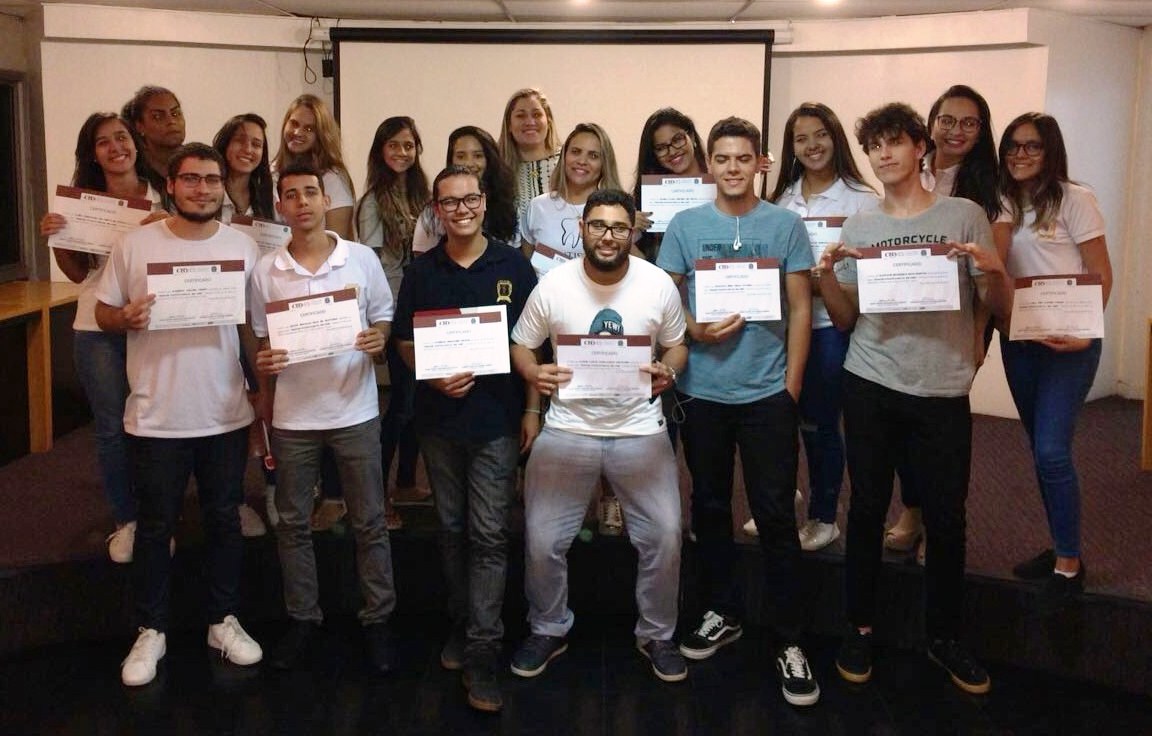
point(750, 528)
point(234, 643)
point(816, 535)
point(121, 542)
point(270, 504)
point(251, 525)
point(139, 667)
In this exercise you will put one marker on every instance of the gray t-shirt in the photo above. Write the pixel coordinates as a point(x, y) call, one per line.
point(918, 353)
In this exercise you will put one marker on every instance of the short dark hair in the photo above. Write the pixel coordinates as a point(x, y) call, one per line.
point(611, 198)
point(734, 127)
point(299, 168)
point(888, 122)
point(450, 171)
point(134, 108)
point(201, 151)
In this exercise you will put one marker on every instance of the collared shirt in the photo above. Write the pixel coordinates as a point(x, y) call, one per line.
point(501, 275)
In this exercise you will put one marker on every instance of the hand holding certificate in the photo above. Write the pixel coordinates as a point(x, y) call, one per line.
point(1069, 305)
point(665, 195)
point(749, 287)
point(916, 278)
point(94, 221)
point(605, 366)
point(467, 340)
point(314, 326)
point(196, 294)
point(823, 232)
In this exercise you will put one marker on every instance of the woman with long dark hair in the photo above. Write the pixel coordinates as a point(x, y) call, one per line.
point(669, 144)
point(243, 142)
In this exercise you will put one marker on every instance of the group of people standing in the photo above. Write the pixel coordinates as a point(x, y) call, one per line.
point(546, 230)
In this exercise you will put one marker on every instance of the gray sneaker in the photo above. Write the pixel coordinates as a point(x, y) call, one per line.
point(536, 652)
point(667, 662)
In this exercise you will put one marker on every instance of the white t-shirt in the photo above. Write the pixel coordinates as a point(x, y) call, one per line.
point(567, 302)
point(185, 382)
point(551, 221)
point(86, 303)
point(943, 181)
point(335, 392)
point(838, 200)
point(228, 210)
point(1056, 249)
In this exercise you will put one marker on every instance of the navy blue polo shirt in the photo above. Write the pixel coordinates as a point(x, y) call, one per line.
point(501, 275)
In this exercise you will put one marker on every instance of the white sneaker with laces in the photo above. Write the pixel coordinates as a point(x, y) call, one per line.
point(251, 525)
point(121, 542)
point(816, 535)
point(139, 667)
point(234, 643)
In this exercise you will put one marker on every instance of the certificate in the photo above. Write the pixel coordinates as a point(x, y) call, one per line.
point(467, 340)
point(605, 366)
point(1071, 305)
point(916, 278)
point(823, 232)
point(314, 326)
point(665, 195)
point(544, 259)
point(268, 235)
point(196, 294)
point(95, 221)
point(749, 287)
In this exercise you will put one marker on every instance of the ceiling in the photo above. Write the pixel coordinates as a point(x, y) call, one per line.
point(1126, 12)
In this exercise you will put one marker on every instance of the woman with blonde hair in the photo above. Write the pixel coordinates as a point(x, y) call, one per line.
point(528, 144)
point(311, 135)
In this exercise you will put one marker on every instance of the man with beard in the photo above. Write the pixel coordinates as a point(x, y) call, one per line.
point(472, 428)
point(623, 438)
point(187, 410)
point(156, 115)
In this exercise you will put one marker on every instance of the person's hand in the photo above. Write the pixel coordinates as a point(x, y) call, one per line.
point(51, 224)
point(643, 221)
point(529, 430)
point(833, 254)
point(1066, 344)
point(985, 259)
point(714, 332)
point(370, 341)
point(550, 377)
point(137, 314)
point(767, 161)
point(663, 376)
point(154, 217)
point(456, 386)
point(271, 361)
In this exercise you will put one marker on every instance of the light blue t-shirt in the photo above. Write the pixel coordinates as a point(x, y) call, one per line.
point(751, 365)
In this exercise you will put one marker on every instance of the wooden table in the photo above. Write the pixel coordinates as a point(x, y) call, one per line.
point(32, 301)
point(1146, 452)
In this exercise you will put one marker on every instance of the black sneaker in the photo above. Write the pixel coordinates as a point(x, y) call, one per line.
point(854, 660)
point(966, 672)
point(536, 652)
point(295, 642)
point(713, 632)
point(1036, 568)
point(1059, 591)
point(796, 681)
point(666, 661)
point(380, 653)
point(452, 655)
point(481, 683)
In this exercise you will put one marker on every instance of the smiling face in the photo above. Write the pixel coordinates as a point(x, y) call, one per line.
point(583, 161)
point(468, 152)
point(400, 151)
point(674, 149)
point(606, 252)
point(955, 142)
point(528, 124)
point(201, 199)
point(246, 149)
point(460, 221)
point(812, 143)
point(733, 164)
point(1023, 166)
point(115, 150)
point(300, 131)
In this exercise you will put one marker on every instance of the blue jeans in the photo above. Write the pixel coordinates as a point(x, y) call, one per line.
point(356, 453)
point(820, 402)
point(397, 433)
point(100, 359)
point(561, 480)
point(1049, 388)
point(474, 485)
point(765, 432)
point(162, 467)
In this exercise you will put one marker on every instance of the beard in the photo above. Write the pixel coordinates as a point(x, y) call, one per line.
point(197, 216)
point(609, 265)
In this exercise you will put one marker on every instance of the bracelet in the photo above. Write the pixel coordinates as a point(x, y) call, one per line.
point(672, 371)
point(531, 411)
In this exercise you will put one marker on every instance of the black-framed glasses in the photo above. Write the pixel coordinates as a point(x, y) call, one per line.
point(451, 204)
point(597, 228)
point(193, 180)
point(677, 143)
point(969, 124)
point(1028, 148)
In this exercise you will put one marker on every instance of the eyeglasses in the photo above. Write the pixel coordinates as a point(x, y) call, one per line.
point(678, 142)
point(947, 122)
point(451, 204)
point(597, 228)
point(1028, 148)
point(193, 180)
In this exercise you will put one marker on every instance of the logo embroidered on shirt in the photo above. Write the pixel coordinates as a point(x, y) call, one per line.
point(504, 291)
